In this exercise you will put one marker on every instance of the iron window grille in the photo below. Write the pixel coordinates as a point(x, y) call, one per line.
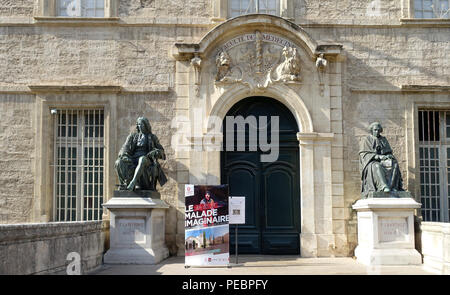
point(78, 165)
point(434, 166)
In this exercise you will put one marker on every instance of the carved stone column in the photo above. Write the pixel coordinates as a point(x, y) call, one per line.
point(316, 236)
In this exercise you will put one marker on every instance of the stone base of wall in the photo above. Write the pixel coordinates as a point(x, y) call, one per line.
point(43, 248)
point(436, 247)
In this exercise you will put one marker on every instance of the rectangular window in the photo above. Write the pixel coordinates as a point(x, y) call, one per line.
point(240, 7)
point(79, 167)
point(431, 9)
point(434, 157)
point(81, 8)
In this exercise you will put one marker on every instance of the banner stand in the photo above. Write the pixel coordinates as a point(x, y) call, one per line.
point(236, 242)
point(237, 216)
point(236, 249)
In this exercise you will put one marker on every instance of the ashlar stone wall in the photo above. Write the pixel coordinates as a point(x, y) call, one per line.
point(17, 155)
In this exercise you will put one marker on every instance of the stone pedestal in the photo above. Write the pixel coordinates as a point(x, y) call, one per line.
point(386, 231)
point(137, 230)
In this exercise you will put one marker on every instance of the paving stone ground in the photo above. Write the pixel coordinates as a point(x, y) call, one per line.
point(265, 265)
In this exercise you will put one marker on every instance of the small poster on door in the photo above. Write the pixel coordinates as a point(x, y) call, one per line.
point(237, 210)
point(207, 226)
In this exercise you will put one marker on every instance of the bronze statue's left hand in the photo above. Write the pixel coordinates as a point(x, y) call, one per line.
point(153, 154)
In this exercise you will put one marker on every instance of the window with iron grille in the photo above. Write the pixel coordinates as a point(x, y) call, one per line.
point(240, 7)
point(78, 165)
point(434, 157)
point(431, 9)
point(81, 8)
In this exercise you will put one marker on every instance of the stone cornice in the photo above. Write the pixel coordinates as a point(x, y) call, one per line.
point(314, 136)
point(74, 88)
point(426, 22)
point(82, 89)
point(206, 22)
point(83, 21)
point(405, 89)
point(425, 88)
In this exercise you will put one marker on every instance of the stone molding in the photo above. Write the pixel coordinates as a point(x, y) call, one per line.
point(88, 21)
point(253, 22)
point(306, 137)
point(74, 88)
point(426, 88)
point(82, 89)
point(135, 203)
point(405, 88)
point(425, 22)
point(385, 203)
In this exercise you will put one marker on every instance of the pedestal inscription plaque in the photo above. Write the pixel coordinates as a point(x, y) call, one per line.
point(393, 229)
point(131, 231)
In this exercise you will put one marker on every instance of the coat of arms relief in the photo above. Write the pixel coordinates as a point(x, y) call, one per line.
point(257, 60)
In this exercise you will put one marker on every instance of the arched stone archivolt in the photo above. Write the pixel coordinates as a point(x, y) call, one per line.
point(281, 93)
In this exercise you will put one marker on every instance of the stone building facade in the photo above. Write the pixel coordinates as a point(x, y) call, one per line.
point(381, 61)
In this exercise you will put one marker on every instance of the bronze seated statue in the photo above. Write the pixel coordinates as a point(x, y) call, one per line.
point(137, 165)
point(379, 168)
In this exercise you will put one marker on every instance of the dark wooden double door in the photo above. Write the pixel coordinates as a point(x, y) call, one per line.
point(271, 189)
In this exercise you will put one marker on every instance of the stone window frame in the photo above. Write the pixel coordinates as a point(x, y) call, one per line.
point(47, 10)
point(425, 97)
point(50, 97)
point(221, 12)
point(441, 144)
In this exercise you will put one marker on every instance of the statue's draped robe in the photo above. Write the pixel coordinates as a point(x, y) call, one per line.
point(371, 146)
point(136, 146)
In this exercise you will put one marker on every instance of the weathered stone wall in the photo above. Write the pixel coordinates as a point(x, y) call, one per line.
point(386, 58)
point(14, 8)
point(172, 8)
point(42, 248)
point(346, 10)
point(17, 144)
point(104, 56)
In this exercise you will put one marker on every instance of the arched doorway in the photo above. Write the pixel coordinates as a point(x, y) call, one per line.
point(272, 189)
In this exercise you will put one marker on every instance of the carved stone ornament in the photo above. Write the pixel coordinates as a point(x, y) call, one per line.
point(257, 60)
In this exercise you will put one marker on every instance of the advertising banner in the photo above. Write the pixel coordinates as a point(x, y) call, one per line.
point(206, 225)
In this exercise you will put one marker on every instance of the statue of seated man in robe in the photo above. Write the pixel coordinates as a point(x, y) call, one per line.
point(379, 168)
point(137, 165)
